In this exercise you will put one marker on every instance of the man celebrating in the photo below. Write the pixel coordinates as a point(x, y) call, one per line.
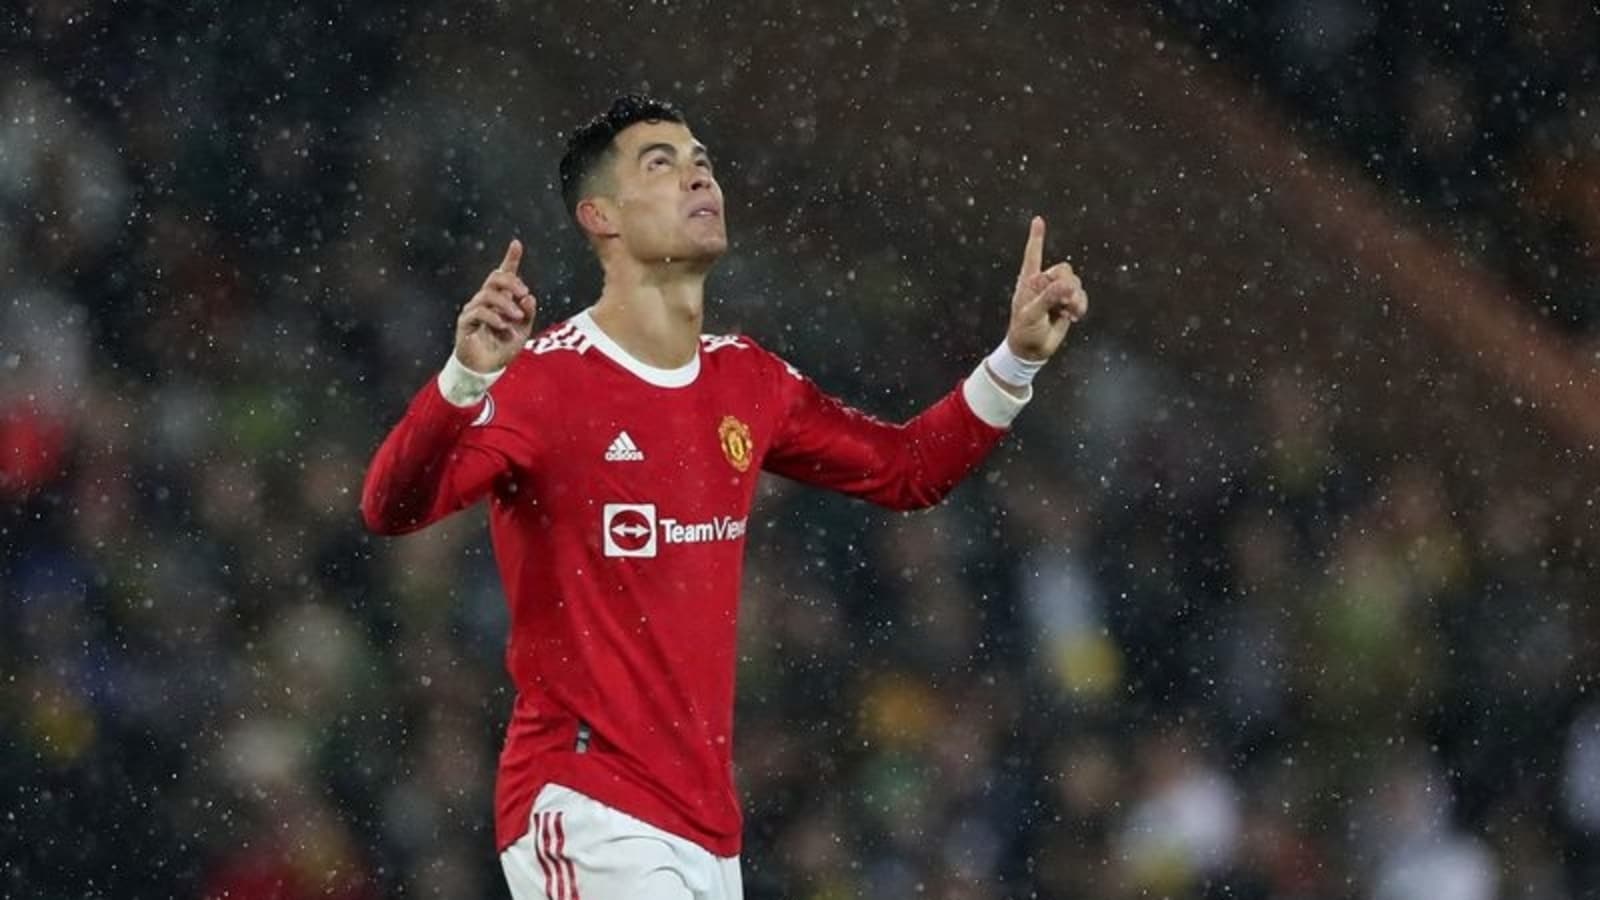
point(619, 451)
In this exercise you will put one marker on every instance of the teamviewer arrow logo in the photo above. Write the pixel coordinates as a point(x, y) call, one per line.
point(629, 529)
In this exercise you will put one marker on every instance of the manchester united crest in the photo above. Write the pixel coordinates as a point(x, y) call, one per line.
point(734, 436)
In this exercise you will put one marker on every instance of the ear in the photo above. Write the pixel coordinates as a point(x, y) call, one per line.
point(595, 215)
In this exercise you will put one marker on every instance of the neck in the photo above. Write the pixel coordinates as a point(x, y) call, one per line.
point(654, 313)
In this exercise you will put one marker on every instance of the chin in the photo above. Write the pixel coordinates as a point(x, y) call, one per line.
point(708, 249)
point(703, 249)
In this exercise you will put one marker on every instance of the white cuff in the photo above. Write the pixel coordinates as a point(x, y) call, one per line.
point(463, 387)
point(991, 402)
point(1007, 366)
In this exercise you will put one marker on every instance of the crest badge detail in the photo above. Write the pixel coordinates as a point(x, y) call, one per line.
point(734, 436)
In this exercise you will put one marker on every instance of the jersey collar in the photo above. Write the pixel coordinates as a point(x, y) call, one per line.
point(682, 376)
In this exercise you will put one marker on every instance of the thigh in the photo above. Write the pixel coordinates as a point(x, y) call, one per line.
point(537, 868)
point(579, 849)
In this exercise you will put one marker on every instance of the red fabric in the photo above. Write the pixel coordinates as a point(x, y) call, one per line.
point(258, 875)
point(640, 648)
point(33, 449)
point(254, 878)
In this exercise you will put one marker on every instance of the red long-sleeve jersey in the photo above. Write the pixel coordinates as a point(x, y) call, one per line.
point(620, 499)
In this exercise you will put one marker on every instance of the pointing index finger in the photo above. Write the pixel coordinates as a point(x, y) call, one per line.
point(513, 257)
point(1033, 253)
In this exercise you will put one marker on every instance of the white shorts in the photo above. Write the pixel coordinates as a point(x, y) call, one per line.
point(577, 848)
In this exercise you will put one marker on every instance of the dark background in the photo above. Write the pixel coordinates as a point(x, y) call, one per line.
point(1283, 588)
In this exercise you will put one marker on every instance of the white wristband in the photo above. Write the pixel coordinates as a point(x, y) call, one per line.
point(463, 387)
point(1011, 368)
point(990, 402)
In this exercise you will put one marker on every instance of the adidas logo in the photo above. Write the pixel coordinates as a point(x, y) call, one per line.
point(623, 449)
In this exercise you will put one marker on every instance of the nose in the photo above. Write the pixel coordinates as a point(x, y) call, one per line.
point(699, 179)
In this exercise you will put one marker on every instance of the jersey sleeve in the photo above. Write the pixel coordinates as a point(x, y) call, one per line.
point(440, 458)
point(822, 441)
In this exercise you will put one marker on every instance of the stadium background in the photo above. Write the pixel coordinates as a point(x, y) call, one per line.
point(1284, 588)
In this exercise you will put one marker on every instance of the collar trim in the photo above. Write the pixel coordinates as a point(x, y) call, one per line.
point(682, 376)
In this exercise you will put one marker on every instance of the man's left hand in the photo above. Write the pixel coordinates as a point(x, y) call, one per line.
point(1046, 302)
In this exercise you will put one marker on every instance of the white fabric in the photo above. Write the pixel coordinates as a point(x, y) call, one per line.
point(1011, 368)
point(462, 386)
point(577, 848)
point(682, 376)
point(991, 402)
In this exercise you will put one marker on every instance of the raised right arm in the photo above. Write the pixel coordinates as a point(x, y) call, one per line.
point(447, 451)
point(434, 462)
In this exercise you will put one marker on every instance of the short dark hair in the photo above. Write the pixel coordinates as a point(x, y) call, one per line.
point(591, 143)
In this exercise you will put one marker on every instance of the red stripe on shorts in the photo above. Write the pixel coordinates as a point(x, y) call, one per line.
point(547, 839)
point(541, 829)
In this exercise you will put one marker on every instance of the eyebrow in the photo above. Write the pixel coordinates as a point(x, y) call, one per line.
point(670, 150)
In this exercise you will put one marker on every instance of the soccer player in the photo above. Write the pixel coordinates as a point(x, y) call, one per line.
point(619, 452)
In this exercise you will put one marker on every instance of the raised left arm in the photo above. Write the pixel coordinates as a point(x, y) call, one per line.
point(823, 441)
point(1044, 308)
point(911, 465)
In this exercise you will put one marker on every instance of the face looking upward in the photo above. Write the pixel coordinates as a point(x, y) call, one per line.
point(659, 198)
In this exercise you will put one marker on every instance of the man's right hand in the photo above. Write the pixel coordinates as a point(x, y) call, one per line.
point(498, 319)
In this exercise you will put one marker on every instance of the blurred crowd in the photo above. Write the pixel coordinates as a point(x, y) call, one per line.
point(1482, 114)
point(1158, 648)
